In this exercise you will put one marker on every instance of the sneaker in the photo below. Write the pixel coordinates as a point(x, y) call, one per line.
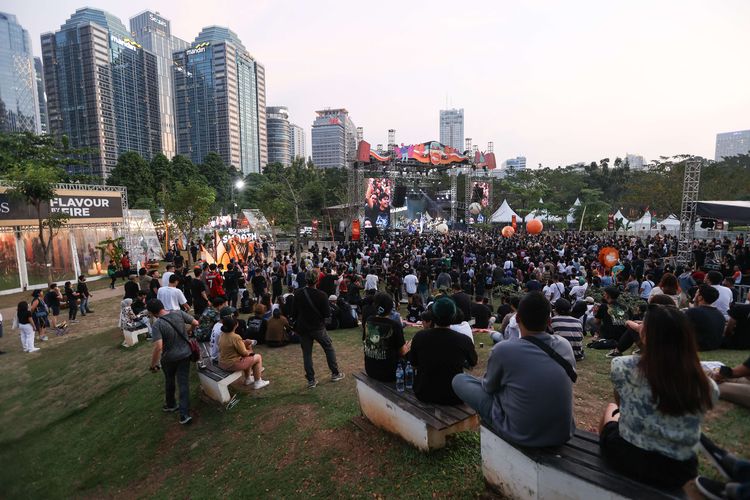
point(713, 490)
point(614, 353)
point(249, 380)
point(184, 420)
point(260, 384)
point(74, 321)
point(717, 455)
point(312, 384)
point(44, 338)
point(637, 350)
point(337, 377)
point(89, 312)
point(34, 349)
point(169, 409)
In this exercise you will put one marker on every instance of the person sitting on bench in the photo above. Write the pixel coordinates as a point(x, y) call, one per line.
point(383, 339)
point(526, 395)
point(661, 397)
point(440, 353)
point(236, 354)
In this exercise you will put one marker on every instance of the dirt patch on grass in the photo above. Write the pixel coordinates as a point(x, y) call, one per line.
point(303, 415)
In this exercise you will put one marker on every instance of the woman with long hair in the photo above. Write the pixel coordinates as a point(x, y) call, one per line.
point(661, 397)
point(669, 286)
point(26, 325)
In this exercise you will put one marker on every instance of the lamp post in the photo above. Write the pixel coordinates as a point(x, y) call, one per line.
point(238, 185)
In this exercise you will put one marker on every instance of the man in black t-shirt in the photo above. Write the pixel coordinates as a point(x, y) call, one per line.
point(232, 284)
point(383, 340)
point(462, 300)
point(708, 322)
point(439, 354)
point(481, 313)
point(199, 292)
point(738, 328)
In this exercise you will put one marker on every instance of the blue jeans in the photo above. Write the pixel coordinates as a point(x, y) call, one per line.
point(179, 370)
point(470, 390)
point(84, 305)
point(306, 342)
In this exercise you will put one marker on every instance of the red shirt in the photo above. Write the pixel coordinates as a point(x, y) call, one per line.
point(215, 284)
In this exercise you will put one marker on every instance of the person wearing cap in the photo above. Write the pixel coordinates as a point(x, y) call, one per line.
point(383, 340)
point(309, 312)
point(568, 327)
point(172, 353)
point(438, 354)
point(525, 396)
point(610, 318)
point(236, 354)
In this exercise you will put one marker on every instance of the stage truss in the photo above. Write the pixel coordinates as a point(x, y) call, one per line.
point(690, 186)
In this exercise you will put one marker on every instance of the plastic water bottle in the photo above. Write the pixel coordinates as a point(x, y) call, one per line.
point(399, 378)
point(409, 376)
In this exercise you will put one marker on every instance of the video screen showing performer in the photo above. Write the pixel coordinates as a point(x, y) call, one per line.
point(480, 193)
point(378, 199)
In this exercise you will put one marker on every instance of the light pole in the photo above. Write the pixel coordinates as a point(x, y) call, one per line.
point(239, 184)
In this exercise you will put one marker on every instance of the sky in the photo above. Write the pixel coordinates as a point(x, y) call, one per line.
point(556, 81)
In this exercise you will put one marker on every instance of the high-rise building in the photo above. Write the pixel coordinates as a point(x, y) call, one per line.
point(298, 147)
point(360, 134)
point(220, 101)
point(732, 144)
point(634, 162)
point(517, 163)
point(279, 135)
point(153, 32)
point(334, 139)
point(41, 96)
point(102, 90)
point(452, 128)
point(19, 109)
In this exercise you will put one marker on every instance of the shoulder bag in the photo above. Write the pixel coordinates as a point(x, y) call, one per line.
point(555, 356)
point(195, 350)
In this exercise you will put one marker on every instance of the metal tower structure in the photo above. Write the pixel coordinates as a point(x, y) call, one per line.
point(391, 138)
point(690, 187)
point(453, 174)
point(467, 141)
point(491, 147)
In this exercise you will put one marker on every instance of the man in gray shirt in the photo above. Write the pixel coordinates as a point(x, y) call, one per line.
point(172, 350)
point(526, 397)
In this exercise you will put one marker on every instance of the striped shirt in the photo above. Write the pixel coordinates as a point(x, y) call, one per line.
point(571, 330)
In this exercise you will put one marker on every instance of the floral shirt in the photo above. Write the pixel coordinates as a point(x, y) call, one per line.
point(641, 422)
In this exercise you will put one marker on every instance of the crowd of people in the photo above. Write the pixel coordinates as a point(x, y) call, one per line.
point(538, 297)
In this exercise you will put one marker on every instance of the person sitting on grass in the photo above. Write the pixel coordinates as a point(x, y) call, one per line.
point(278, 332)
point(414, 308)
point(257, 325)
point(734, 383)
point(383, 340)
point(526, 394)
point(236, 354)
point(633, 328)
point(661, 396)
point(439, 354)
point(610, 318)
point(708, 322)
point(568, 327)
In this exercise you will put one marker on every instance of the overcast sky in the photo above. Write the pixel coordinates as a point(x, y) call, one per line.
point(556, 81)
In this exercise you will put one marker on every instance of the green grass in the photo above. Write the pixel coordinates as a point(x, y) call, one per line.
point(83, 419)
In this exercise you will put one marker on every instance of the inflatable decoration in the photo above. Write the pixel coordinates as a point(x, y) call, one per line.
point(475, 208)
point(442, 228)
point(508, 232)
point(534, 226)
point(608, 256)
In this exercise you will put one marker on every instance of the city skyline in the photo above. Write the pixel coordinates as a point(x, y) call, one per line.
point(559, 84)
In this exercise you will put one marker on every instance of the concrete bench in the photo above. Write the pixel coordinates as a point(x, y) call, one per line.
point(574, 470)
point(424, 425)
point(131, 336)
point(214, 380)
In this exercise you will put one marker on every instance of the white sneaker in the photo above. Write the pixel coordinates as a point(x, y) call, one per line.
point(34, 349)
point(249, 380)
point(260, 384)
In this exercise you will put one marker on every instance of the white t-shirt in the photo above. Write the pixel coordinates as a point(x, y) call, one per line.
point(724, 300)
point(555, 291)
point(165, 278)
point(646, 286)
point(410, 283)
point(464, 328)
point(371, 282)
point(214, 342)
point(171, 297)
point(579, 291)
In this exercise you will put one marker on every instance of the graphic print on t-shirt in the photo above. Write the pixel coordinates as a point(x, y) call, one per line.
point(377, 340)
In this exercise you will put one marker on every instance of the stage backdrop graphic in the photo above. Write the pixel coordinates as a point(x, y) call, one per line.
point(378, 197)
point(81, 206)
point(480, 193)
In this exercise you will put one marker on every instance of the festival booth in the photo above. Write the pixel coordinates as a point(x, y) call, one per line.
point(143, 243)
point(669, 225)
point(644, 223)
point(504, 214)
point(95, 214)
point(624, 222)
point(571, 217)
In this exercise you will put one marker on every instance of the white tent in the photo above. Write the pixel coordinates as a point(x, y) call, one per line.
point(619, 215)
point(542, 215)
point(671, 223)
point(570, 219)
point(644, 223)
point(504, 214)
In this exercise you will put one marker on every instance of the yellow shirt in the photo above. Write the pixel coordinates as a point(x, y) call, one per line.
point(231, 349)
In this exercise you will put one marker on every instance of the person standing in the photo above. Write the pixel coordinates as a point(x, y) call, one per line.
point(52, 299)
point(172, 297)
point(125, 265)
point(309, 313)
point(71, 296)
point(172, 353)
point(200, 295)
point(26, 326)
point(82, 288)
point(232, 284)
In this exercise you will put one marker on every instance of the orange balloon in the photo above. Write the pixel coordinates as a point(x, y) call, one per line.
point(609, 256)
point(508, 231)
point(534, 226)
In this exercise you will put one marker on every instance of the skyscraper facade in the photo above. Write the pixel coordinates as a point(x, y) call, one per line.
point(732, 144)
point(41, 96)
point(334, 139)
point(219, 88)
point(102, 90)
point(279, 135)
point(153, 32)
point(19, 108)
point(452, 128)
point(297, 146)
point(635, 162)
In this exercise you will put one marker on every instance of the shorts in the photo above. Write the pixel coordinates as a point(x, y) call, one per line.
point(55, 310)
point(646, 466)
point(40, 322)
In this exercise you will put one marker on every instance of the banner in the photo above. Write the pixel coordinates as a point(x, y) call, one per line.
point(611, 222)
point(378, 203)
point(480, 193)
point(355, 230)
point(81, 206)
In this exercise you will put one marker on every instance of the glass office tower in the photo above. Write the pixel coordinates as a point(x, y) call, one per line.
point(19, 108)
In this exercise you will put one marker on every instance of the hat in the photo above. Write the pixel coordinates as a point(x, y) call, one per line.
point(227, 312)
point(590, 300)
point(562, 306)
point(444, 309)
point(581, 281)
point(332, 298)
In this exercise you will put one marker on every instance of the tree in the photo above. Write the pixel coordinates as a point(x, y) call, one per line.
point(34, 184)
point(184, 170)
point(133, 172)
point(222, 177)
point(189, 206)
